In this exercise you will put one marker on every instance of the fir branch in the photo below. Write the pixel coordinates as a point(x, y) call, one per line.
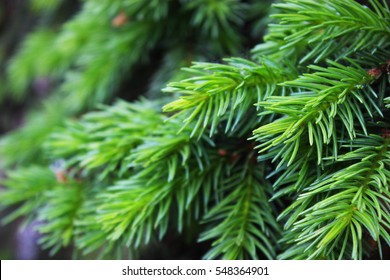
point(334, 93)
point(25, 186)
point(104, 140)
point(242, 223)
point(52, 203)
point(339, 207)
point(89, 238)
point(330, 26)
point(58, 215)
point(169, 173)
point(290, 180)
point(130, 209)
point(133, 210)
point(224, 92)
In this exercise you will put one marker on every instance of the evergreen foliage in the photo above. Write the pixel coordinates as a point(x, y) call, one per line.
point(284, 154)
point(89, 56)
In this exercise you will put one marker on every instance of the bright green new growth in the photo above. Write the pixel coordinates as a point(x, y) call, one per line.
point(284, 155)
point(225, 92)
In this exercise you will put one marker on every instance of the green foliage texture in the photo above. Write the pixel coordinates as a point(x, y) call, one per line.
point(280, 153)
